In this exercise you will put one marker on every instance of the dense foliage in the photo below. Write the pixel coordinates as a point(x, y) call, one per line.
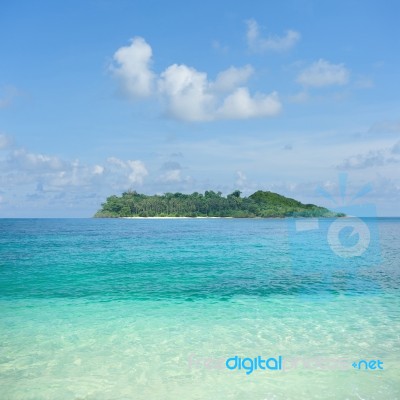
point(210, 204)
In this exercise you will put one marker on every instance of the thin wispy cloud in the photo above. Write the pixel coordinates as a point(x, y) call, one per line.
point(134, 170)
point(396, 148)
point(7, 95)
point(364, 82)
point(21, 159)
point(372, 159)
point(257, 43)
point(231, 78)
point(241, 179)
point(171, 176)
point(23, 167)
point(5, 141)
point(323, 73)
point(4, 102)
point(385, 127)
point(299, 98)
point(216, 45)
point(188, 94)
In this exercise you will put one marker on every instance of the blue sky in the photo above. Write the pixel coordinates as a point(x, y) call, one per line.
point(97, 97)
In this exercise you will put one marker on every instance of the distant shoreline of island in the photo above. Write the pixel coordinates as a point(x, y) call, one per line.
point(137, 217)
point(341, 216)
point(261, 204)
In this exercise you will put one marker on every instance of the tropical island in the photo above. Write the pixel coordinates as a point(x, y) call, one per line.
point(261, 204)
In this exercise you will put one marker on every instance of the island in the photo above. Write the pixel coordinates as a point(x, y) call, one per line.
point(261, 204)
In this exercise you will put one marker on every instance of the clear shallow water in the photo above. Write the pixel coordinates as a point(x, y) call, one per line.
point(133, 309)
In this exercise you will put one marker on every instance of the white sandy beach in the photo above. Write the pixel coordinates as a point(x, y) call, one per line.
point(176, 217)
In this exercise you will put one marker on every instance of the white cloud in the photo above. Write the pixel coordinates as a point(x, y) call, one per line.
point(137, 171)
point(116, 161)
point(133, 68)
point(323, 73)
point(240, 104)
point(23, 168)
point(23, 159)
point(98, 170)
point(134, 170)
point(276, 43)
point(232, 78)
point(241, 178)
point(174, 175)
point(188, 94)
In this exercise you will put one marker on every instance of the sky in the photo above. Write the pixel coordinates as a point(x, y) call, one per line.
point(100, 97)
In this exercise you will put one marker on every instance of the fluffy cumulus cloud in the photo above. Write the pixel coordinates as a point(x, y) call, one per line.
point(323, 73)
point(272, 42)
point(188, 94)
point(240, 104)
point(132, 68)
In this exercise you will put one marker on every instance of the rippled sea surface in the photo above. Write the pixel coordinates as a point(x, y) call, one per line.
point(150, 309)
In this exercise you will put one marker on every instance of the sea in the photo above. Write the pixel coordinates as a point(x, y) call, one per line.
point(242, 309)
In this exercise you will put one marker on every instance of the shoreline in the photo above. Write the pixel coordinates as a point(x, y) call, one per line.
point(175, 217)
point(321, 217)
point(221, 217)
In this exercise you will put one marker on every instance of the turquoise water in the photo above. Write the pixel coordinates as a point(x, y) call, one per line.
point(150, 309)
